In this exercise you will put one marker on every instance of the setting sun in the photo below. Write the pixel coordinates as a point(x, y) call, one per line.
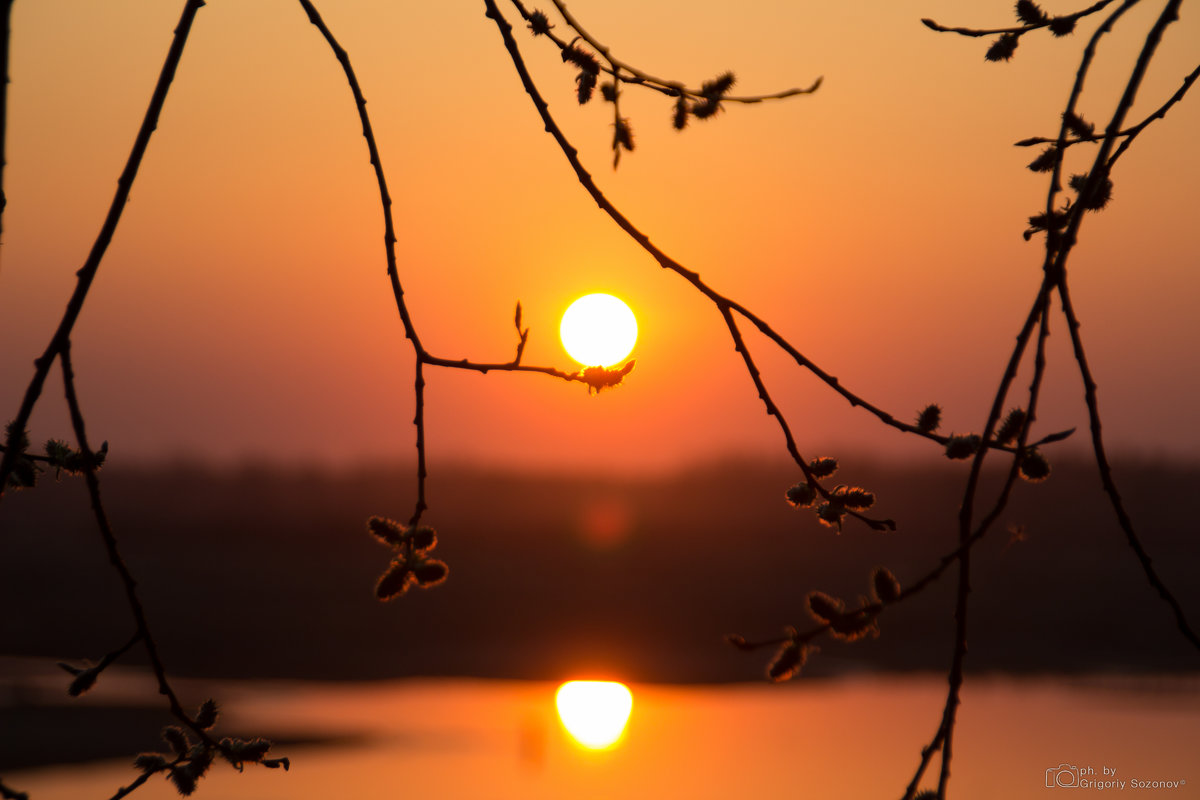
point(594, 712)
point(598, 330)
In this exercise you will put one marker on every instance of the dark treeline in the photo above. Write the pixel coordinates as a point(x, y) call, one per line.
point(270, 572)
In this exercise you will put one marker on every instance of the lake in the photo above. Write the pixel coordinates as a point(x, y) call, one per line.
point(847, 738)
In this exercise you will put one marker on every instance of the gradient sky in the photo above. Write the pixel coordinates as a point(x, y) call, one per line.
point(243, 310)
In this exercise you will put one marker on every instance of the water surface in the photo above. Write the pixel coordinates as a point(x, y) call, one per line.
point(846, 738)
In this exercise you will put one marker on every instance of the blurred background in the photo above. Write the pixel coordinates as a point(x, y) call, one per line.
point(241, 354)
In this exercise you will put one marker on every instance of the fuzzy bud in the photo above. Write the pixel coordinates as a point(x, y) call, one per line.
point(854, 498)
point(237, 751)
point(887, 588)
point(679, 118)
point(200, 758)
point(706, 109)
point(206, 717)
point(174, 736)
point(1029, 12)
point(1078, 126)
point(930, 418)
point(823, 467)
point(184, 780)
point(855, 626)
point(1045, 161)
point(1034, 467)
point(582, 59)
point(599, 378)
point(1003, 48)
point(718, 86)
point(430, 573)
point(539, 23)
point(960, 447)
point(423, 538)
point(395, 581)
point(622, 134)
point(585, 82)
point(386, 530)
point(1062, 26)
point(823, 607)
point(801, 495)
point(1095, 199)
point(788, 661)
point(1010, 429)
point(830, 515)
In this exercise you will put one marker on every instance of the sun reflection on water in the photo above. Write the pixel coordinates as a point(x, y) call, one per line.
point(594, 712)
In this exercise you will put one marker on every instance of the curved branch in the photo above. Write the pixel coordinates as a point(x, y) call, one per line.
point(666, 262)
point(1106, 477)
point(1020, 29)
point(87, 272)
point(128, 583)
point(1160, 113)
point(642, 78)
point(5, 27)
point(389, 230)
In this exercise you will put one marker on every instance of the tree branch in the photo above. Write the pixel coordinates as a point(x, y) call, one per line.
point(87, 272)
point(640, 77)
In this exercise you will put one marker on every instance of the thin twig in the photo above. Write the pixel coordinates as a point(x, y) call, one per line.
point(640, 77)
point(1056, 255)
point(87, 273)
point(389, 231)
point(942, 738)
point(1161, 113)
point(739, 345)
point(1020, 29)
point(389, 241)
point(1169, 14)
point(1127, 134)
point(128, 583)
point(136, 784)
point(1106, 476)
point(31, 456)
point(955, 677)
point(666, 262)
point(984, 525)
point(5, 28)
point(419, 421)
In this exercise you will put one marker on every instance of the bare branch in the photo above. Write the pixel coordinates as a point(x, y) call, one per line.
point(87, 272)
point(641, 78)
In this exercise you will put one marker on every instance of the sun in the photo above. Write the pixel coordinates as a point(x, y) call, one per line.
point(594, 712)
point(598, 330)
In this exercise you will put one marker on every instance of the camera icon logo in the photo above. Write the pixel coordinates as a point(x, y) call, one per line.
point(1064, 775)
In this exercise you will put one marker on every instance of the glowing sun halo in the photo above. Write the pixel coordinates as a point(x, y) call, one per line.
point(598, 330)
point(594, 712)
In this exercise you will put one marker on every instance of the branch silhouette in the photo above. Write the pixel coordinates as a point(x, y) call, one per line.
point(87, 273)
point(5, 24)
point(192, 747)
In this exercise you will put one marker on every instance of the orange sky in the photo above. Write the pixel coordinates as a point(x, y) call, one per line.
point(243, 310)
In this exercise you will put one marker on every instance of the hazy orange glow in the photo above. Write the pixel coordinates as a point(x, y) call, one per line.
point(455, 740)
point(598, 330)
point(244, 310)
point(594, 712)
